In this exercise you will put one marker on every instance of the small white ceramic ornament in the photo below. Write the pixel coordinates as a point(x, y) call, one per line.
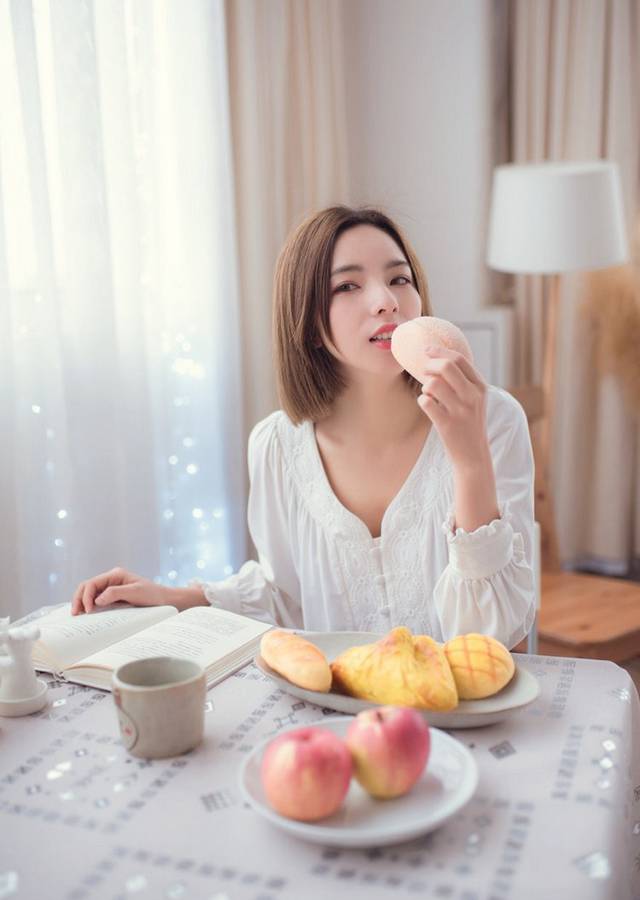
point(21, 693)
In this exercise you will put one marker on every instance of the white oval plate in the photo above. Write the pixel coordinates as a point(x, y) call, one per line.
point(523, 688)
point(447, 784)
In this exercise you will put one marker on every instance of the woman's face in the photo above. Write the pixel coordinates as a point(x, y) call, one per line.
point(371, 287)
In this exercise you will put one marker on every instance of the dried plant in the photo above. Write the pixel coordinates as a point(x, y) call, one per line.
point(611, 306)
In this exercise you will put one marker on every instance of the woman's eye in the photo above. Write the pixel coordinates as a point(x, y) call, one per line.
point(348, 286)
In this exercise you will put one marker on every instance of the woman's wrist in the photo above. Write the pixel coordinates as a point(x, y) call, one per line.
point(187, 597)
point(475, 465)
point(475, 495)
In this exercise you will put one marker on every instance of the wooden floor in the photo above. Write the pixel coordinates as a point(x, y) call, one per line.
point(590, 616)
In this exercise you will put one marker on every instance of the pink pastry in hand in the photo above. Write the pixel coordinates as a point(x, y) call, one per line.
point(410, 340)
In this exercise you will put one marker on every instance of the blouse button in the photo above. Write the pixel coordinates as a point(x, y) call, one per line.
point(379, 579)
point(384, 610)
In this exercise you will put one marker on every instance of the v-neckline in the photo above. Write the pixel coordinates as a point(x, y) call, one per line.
point(345, 512)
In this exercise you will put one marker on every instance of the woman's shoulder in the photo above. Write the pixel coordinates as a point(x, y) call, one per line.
point(503, 410)
point(274, 434)
point(504, 414)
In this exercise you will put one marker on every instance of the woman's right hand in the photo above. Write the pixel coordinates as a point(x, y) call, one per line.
point(120, 585)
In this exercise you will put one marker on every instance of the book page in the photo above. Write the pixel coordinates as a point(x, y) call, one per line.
point(66, 639)
point(204, 634)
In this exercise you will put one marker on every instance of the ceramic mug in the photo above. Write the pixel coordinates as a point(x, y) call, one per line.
point(160, 705)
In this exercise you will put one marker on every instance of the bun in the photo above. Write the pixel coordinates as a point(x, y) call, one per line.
point(481, 665)
point(398, 670)
point(410, 340)
point(296, 659)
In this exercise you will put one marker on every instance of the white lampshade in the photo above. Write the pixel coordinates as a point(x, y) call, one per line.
point(556, 217)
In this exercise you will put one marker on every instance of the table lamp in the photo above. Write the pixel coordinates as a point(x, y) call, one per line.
point(546, 219)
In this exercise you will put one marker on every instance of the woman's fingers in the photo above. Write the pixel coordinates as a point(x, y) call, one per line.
point(438, 389)
point(76, 603)
point(137, 594)
point(91, 590)
point(431, 408)
point(453, 366)
point(87, 592)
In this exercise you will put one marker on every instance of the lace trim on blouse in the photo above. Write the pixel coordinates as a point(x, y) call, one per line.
point(355, 548)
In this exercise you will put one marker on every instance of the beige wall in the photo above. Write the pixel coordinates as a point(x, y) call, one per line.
point(419, 103)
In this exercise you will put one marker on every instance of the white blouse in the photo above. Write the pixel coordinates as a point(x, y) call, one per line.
point(320, 569)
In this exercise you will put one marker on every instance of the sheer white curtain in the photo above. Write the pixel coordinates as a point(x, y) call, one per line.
point(120, 381)
point(287, 86)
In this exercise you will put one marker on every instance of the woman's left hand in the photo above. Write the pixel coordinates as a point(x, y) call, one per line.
point(454, 397)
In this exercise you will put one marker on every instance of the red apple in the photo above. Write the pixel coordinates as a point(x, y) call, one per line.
point(306, 773)
point(390, 748)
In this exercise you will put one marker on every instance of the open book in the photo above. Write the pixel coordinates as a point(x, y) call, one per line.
point(88, 648)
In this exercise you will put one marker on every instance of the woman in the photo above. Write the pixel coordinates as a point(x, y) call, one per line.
point(375, 501)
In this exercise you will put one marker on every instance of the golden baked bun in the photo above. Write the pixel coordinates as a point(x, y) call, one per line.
point(296, 659)
point(481, 665)
point(410, 340)
point(397, 670)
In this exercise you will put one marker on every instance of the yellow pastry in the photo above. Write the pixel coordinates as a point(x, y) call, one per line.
point(481, 665)
point(398, 670)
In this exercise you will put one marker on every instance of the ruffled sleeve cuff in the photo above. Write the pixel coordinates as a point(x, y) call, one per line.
point(218, 593)
point(249, 593)
point(246, 592)
point(480, 553)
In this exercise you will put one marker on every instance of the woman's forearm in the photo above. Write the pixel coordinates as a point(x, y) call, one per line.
point(475, 497)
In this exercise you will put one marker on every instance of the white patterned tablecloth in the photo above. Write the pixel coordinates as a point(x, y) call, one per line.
point(556, 813)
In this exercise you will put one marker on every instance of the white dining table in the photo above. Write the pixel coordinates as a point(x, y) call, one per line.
point(556, 812)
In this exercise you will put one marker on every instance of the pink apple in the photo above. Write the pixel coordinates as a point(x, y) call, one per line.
point(306, 773)
point(390, 748)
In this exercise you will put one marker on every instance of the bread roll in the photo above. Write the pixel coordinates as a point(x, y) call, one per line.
point(296, 659)
point(410, 340)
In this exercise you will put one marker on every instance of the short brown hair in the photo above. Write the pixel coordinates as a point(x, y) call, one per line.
point(307, 376)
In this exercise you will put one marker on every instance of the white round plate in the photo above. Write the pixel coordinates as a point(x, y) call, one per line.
point(523, 688)
point(447, 784)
